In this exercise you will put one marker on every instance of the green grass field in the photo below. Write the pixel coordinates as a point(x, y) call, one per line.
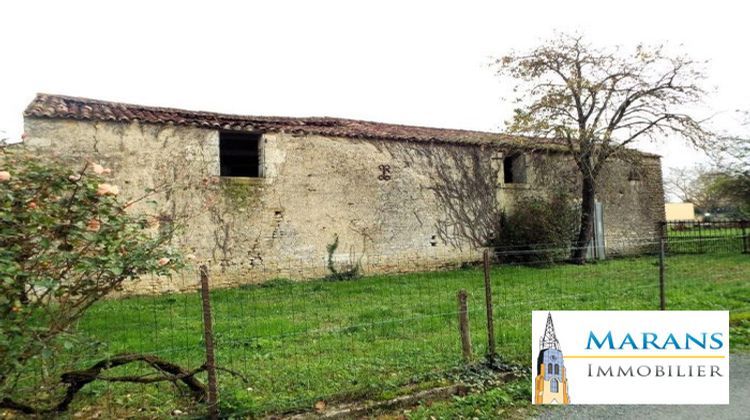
point(693, 240)
point(379, 336)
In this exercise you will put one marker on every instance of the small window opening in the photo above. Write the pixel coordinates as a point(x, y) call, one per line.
point(557, 369)
point(514, 169)
point(240, 155)
point(634, 175)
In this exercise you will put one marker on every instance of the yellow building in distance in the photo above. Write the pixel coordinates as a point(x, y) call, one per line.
point(679, 211)
point(551, 383)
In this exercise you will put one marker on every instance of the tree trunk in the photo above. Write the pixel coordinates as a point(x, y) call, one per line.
point(585, 233)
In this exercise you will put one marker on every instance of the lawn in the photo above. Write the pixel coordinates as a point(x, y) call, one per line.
point(694, 240)
point(378, 336)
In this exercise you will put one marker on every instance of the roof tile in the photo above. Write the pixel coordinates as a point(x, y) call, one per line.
point(58, 106)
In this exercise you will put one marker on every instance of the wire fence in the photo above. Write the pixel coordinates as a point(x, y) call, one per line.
point(289, 346)
point(698, 237)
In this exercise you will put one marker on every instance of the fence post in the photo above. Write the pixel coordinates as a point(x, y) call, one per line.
point(208, 338)
point(662, 297)
point(664, 232)
point(744, 236)
point(463, 325)
point(490, 313)
point(700, 237)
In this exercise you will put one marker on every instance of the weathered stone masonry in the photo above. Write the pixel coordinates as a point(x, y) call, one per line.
point(428, 208)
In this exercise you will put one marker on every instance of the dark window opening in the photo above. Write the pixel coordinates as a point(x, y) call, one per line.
point(514, 169)
point(240, 155)
point(634, 174)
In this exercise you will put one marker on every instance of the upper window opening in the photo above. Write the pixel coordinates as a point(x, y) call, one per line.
point(514, 169)
point(634, 174)
point(240, 155)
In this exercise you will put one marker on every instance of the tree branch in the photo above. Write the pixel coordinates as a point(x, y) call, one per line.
point(76, 380)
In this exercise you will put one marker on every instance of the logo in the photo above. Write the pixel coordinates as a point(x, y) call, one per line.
point(630, 357)
point(551, 383)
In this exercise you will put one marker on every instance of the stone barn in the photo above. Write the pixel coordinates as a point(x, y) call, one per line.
point(264, 197)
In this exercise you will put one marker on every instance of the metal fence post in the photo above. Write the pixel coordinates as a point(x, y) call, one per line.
point(208, 338)
point(463, 324)
point(490, 317)
point(700, 238)
point(664, 232)
point(662, 297)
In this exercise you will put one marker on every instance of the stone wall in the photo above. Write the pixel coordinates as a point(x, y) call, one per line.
point(436, 207)
point(630, 190)
point(633, 199)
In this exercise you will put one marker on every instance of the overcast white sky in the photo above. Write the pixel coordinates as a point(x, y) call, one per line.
point(411, 62)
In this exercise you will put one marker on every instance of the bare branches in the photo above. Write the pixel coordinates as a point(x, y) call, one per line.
point(600, 100)
point(711, 189)
point(76, 380)
point(732, 153)
point(601, 97)
point(464, 186)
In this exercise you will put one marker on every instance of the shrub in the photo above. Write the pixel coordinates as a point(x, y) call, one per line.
point(66, 241)
point(538, 230)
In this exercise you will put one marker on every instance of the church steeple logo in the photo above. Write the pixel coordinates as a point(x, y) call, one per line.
point(551, 382)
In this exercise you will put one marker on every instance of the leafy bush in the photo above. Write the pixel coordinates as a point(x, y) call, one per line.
point(66, 241)
point(538, 230)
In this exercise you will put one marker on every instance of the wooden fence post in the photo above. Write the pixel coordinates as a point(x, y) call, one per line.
point(463, 325)
point(662, 297)
point(208, 338)
point(490, 313)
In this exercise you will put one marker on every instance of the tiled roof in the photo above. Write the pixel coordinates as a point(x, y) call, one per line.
point(58, 106)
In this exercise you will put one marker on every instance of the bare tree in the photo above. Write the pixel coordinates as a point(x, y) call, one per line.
point(679, 184)
point(730, 159)
point(596, 102)
point(732, 153)
point(696, 185)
